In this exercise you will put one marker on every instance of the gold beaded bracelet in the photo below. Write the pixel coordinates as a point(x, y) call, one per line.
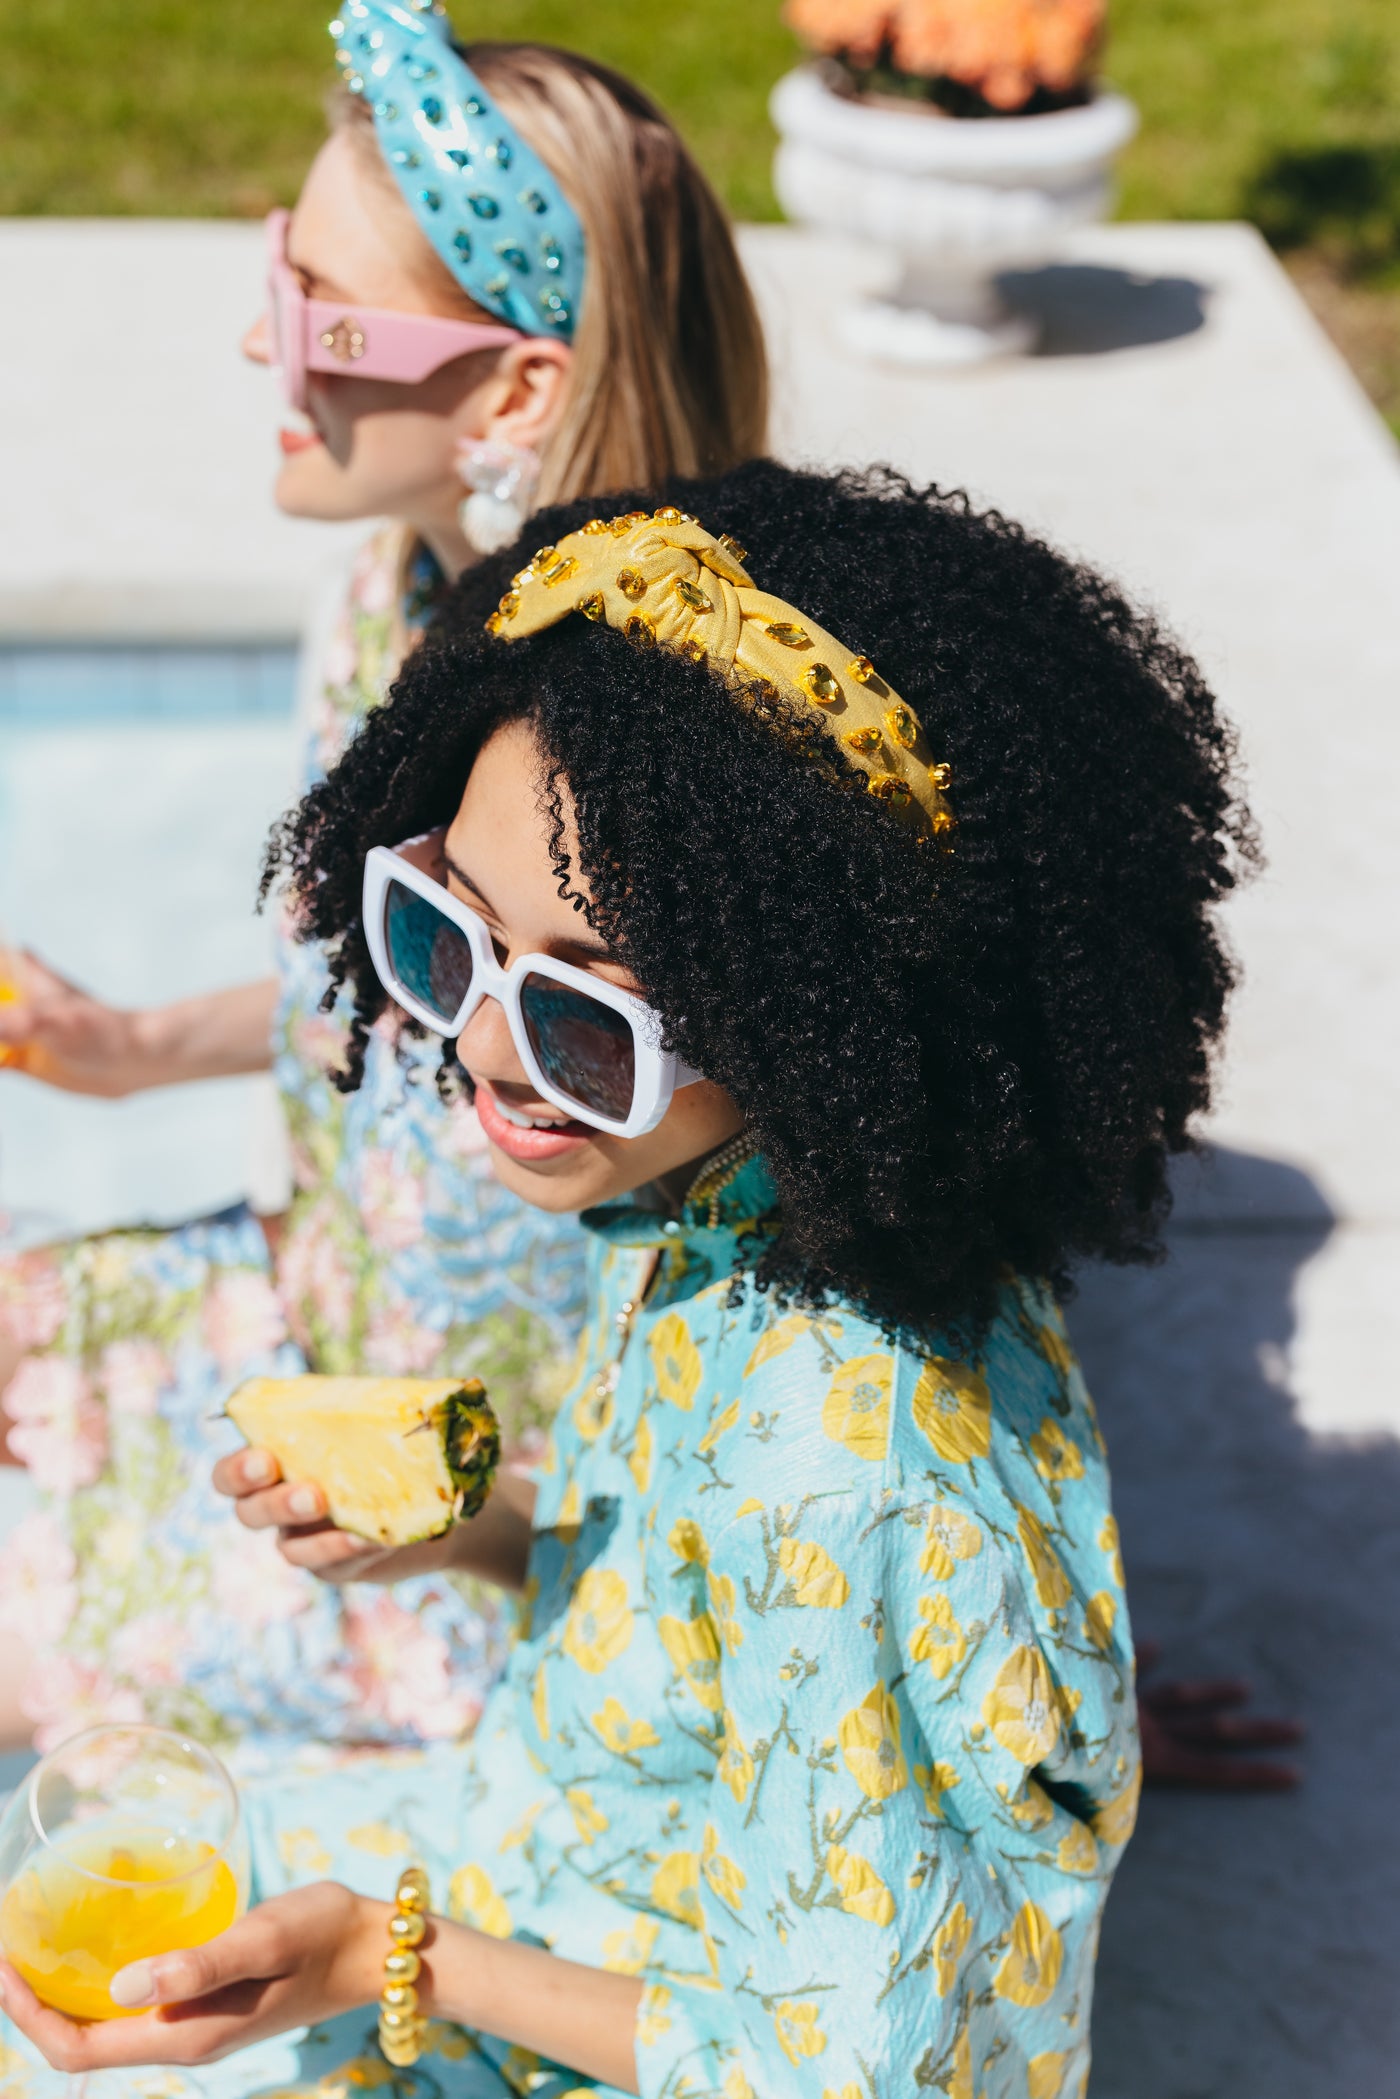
point(401, 2026)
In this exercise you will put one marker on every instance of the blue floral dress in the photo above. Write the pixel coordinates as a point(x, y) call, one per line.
point(820, 1718)
point(139, 1592)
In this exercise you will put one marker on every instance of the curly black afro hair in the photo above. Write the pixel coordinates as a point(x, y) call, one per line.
point(955, 1063)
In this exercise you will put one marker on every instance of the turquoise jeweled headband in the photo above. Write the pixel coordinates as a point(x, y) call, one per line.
point(484, 198)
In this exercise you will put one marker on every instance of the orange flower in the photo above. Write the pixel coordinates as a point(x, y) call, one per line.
point(1003, 50)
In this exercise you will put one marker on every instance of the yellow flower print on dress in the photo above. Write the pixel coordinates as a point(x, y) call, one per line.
point(570, 1510)
point(719, 1427)
point(687, 1542)
point(675, 1361)
point(589, 1819)
point(723, 1603)
point(816, 1580)
point(933, 1781)
point(639, 1462)
point(1054, 1346)
point(1034, 1809)
point(950, 1536)
point(1108, 1542)
point(302, 1853)
point(1077, 1852)
point(953, 1407)
point(799, 2034)
point(1021, 1708)
point(620, 1732)
point(539, 1704)
point(1051, 1582)
point(735, 1767)
point(693, 1646)
point(727, 1879)
point(863, 1893)
point(736, 2085)
point(653, 2015)
point(950, 1943)
point(1031, 1968)
point(779, 1337)
point(870, 1745)
point(472, 1898)
point(379, 1839)
point(938, 1639)
point(1057, 1456)
point(1114, 1824)
point(593, 1410)
point(856, 1410)
point(960, 2086)
point(1099, 1615)
point(627, 1952)
point(675, 1887)
point(1045, 2075)
point(599, 1625)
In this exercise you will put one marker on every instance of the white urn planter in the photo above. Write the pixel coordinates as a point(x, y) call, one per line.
point(958, 199)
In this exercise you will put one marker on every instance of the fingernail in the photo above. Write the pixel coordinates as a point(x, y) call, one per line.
point(134, 1986)
point(258, 1468)
point(305, 1501)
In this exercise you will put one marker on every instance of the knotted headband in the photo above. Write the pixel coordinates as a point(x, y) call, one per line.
point(665, 582)
point(483, 197)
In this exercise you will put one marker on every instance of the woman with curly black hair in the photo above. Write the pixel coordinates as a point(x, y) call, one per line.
point(843, 949)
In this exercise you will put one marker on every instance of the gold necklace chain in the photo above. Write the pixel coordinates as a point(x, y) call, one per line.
point(717, 1174)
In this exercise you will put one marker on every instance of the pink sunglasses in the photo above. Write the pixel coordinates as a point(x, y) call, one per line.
point(315, 335)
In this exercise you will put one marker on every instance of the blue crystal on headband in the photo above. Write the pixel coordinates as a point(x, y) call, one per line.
point(475, 162)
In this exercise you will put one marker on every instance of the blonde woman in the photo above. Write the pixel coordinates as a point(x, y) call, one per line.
point(505, 283)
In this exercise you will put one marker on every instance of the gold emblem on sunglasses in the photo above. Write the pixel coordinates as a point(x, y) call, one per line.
point(345, 341)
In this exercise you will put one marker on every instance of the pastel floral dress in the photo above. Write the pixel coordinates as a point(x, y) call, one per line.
point(141, 1595)
point(820, 1718)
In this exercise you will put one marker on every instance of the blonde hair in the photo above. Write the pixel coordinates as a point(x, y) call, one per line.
point(669, 372)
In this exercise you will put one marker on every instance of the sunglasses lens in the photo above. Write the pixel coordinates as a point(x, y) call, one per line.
point(585, 1049)
point(430, 957)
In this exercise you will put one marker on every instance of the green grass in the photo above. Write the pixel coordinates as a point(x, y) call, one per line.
point(1279, 110)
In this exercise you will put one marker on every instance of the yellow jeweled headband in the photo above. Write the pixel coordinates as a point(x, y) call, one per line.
point(665, 582)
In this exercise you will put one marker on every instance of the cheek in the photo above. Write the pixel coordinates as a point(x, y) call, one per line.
point(389, 449)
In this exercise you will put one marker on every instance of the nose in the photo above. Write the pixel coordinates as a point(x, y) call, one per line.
point(486, 1048)
point(257, 342)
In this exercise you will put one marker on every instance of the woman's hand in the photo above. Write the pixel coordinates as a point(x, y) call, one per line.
point(291, 1962)
point(495, 1544)
point(57, 1032)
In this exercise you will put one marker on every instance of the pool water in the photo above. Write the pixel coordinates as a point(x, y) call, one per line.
point(137, 786)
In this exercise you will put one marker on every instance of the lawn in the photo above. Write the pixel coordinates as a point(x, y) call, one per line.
point(1284, 111)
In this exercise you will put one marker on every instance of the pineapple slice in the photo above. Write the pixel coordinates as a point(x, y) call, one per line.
point(398, 1459)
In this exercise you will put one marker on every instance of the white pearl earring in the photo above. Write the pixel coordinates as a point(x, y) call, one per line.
point(500, 478)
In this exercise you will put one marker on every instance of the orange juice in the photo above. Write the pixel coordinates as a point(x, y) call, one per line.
point(9, 996)
point(68, 1933)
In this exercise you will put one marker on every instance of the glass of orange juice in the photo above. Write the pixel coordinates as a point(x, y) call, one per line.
point(124, 1843)
point(9, 982)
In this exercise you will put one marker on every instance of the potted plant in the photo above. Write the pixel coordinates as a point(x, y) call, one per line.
point(966, 135)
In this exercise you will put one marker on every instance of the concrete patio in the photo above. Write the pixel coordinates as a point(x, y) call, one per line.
point(1188, 428)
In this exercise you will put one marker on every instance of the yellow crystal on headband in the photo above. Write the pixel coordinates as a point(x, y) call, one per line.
point(703, 604)
point(820, 683)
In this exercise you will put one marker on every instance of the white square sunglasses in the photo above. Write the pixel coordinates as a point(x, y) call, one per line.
point(589, 1047)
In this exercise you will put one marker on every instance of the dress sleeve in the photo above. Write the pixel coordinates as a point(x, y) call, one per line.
point(890, 1899)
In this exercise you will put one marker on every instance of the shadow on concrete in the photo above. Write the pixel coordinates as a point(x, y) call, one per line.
point(1087, 310)
point(1249, 1947)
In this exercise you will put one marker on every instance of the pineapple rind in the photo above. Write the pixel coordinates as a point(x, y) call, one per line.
point(398, 1459)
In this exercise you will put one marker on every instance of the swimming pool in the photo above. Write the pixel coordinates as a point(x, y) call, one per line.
point(136, 789)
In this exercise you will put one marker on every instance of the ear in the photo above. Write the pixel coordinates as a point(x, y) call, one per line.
point(525, 396)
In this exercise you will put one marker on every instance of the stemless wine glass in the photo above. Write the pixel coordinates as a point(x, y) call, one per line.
point(124, 1843)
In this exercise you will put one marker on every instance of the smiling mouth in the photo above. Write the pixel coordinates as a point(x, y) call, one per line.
point(524, 1135)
